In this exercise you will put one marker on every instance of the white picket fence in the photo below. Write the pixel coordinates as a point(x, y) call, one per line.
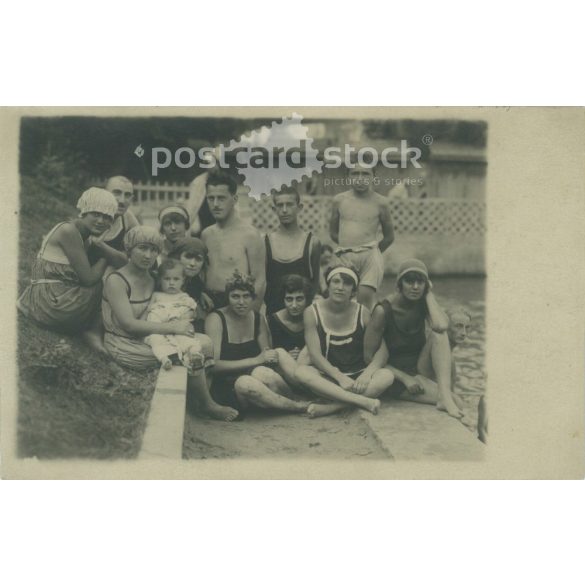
point(446, 216)
point(157, 195)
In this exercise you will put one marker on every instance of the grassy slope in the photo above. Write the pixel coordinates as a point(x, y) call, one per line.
point(72, 403)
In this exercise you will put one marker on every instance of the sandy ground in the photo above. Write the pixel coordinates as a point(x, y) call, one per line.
point(261, 435)
point(402, 430)
point(342, 436)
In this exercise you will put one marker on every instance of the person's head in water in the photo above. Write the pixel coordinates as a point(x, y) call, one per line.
point(221, 194)
point(143, 244)
point(413, 279)
point(121, 188)
point(326, 255)
point(298, 294)
point(342, 283)
point(459, 325)
point(361, 171)
point(287, 205)
point(97, 208)
point(171, 276)
point(192, 253)
point(240, 292)
point(174, 222)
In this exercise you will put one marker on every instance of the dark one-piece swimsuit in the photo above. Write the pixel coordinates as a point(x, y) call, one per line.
point(276, 270)
point(222, 387)
point(404, 348)
point(284, 337)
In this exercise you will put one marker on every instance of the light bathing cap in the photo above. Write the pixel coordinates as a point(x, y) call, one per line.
point(343, 270)
point(97, 200)
point(142, 234)
point(174, 209)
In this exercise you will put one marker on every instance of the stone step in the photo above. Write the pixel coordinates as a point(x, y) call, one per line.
point(163, 436)
point(408, 431)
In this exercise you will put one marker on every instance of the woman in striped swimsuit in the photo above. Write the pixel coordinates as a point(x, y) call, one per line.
point(65, 289)
point(334, 334)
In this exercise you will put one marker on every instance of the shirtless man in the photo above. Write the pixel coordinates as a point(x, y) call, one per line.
point(289, 249)
point(231, 243)
point(356, 216)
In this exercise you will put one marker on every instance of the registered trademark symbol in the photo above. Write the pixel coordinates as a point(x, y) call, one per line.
point(427, 139)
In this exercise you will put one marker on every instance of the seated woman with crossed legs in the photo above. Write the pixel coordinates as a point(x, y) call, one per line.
point(243, 374)
point(334, 334)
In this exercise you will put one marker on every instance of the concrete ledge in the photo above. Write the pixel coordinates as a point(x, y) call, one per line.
point(408, 431)
point(163, 436)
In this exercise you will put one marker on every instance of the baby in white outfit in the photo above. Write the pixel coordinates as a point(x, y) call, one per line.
point(172, 304)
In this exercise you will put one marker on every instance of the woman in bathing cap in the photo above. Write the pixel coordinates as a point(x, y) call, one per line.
point(127, 294)
point(65, 290)
point(174, 225)
point(334, 335)
point(412, 330)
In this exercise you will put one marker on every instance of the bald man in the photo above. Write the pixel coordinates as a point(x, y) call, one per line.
point(121, 188)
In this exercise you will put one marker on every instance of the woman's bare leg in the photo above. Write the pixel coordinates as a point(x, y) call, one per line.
point(197, 383)
point(380, 382)
point(94, 336)
point(312, 379)
point(287, 367)
point(272, 380)
point(436, 358)
point(256, 392)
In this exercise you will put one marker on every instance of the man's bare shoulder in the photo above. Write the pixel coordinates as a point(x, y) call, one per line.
point(342, 196)
point(381, 200)
point(208, 232)
point(250, 233)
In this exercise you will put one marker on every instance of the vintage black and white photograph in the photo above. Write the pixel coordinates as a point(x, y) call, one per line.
point(235, 288)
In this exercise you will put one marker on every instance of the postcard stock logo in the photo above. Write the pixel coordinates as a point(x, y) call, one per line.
point(276, 156)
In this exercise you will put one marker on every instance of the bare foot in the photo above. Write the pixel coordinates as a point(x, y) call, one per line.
point(219, 412)
point(95, 342)
point(373, 405)
point(315, 410)
point(449, 408)
point(167, 364)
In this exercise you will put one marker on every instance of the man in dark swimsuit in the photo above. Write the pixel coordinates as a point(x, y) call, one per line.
point(289, 250)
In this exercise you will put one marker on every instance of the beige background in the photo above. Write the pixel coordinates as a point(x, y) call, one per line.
point(535, 303)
